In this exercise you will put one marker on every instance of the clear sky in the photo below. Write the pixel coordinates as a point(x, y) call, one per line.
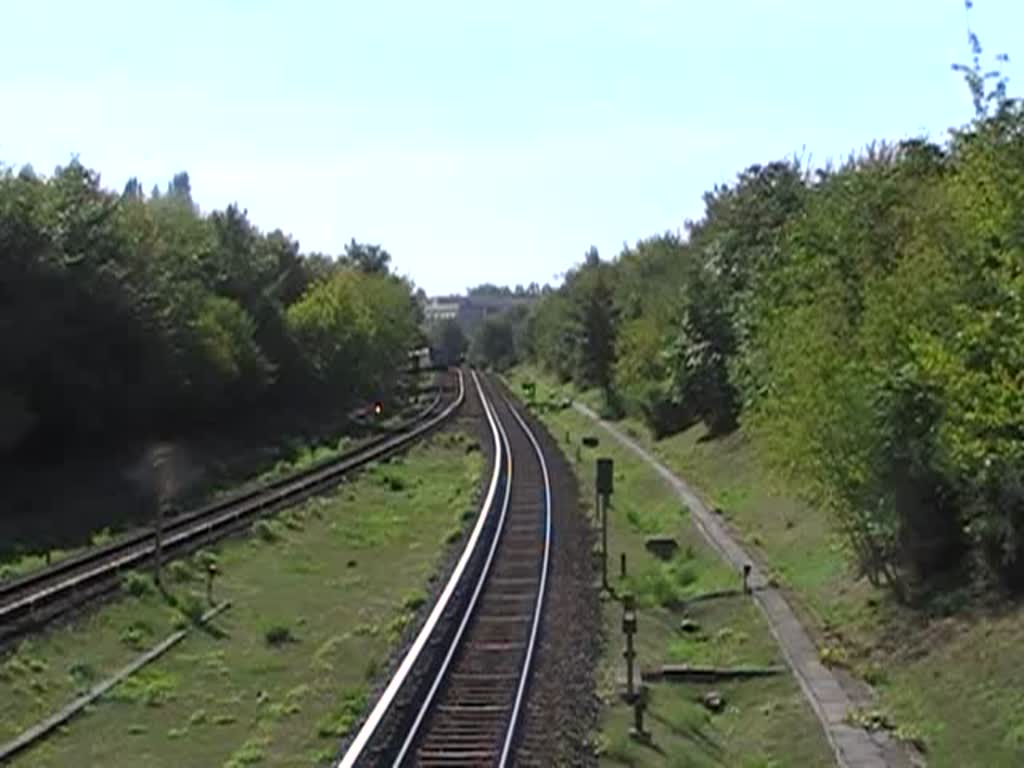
point(477, 141)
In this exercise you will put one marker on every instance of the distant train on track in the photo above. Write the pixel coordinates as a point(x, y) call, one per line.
point(431, 359)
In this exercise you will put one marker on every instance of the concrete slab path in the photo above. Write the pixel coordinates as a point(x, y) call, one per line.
point(853, 747)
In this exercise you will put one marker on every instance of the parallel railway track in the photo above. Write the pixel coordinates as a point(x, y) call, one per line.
point(458, 696)
point(43, 594)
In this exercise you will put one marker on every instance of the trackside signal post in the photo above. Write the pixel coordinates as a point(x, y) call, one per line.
point(604, 483)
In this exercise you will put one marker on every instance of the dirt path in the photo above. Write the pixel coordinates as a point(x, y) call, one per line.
point(853, 747)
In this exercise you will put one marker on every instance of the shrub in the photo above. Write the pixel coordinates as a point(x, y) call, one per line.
point(278, 635)
point(393, 482)
point(192, 607)
point(205, 558)
point(137, 584)
point(82, 674)
point(268, 530)
point(414, 602)
point(147, 687)
point(180, 571)
point(338, 723)
point(136, 635)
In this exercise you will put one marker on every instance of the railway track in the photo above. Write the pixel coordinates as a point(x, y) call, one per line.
point(40, 596)
point(458, 696)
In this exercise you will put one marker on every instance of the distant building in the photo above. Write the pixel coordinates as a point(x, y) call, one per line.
point(440, 308)
point(470, 311)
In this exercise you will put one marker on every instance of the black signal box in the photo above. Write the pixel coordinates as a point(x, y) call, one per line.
point(605, 475)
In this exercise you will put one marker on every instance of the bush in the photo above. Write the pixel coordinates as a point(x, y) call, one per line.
point(268, 530)
point(137, 584)
point(393, 482)
point(414, 602)
point(192, 607)
point(278, 635)
point(179, 571)
point(136, 635)
point(82, 674)
point(204, 559)
point(338, 723)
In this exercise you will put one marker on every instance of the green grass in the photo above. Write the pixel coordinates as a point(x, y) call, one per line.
point(283, 674)
point(766, 722)
point(951, 683)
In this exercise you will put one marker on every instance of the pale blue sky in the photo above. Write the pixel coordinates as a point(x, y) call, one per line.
point(476, 141)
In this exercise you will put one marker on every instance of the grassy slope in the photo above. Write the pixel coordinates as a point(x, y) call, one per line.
point(342, 574)
point(767, 723)
point(953, 682)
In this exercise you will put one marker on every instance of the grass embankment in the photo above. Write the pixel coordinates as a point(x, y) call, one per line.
point(111, 496)
point(320, 594)
point(949, 677)
point(766, 722)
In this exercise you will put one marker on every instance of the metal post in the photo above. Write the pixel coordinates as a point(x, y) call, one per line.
point(211, 573)
point(637, 732)
point(622, 565)
point(629, 628)
point(604, 484)
point(604, 541)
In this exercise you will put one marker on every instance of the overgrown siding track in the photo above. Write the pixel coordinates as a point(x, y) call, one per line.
point(458, 696)
point(39, 596)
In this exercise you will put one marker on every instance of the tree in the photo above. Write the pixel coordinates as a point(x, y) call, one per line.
point(132, 190)
point(447, 337)
point(180, 188)
point(976, 77)
point(494, 344)
point(367, 258)
point(593, 316)
point(148, 317)
point(489, 289)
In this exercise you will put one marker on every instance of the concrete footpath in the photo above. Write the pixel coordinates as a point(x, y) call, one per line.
point(853, 747)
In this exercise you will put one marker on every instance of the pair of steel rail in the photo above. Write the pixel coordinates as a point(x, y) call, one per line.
point(457, 697)
point(42, 594)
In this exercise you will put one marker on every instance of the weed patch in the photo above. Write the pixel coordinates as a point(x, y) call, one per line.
point(250, 753)
point(338, 722)
point(137, 584)
point(148, 686)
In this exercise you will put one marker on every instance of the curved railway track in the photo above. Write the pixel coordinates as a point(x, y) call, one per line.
point(458, 696)
point(43, 594)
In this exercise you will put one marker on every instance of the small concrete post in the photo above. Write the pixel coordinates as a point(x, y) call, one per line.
point(211, 574)
point(629, 629)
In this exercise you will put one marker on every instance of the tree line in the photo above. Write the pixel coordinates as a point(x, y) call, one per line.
point(864, 322)
point(127, 315)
